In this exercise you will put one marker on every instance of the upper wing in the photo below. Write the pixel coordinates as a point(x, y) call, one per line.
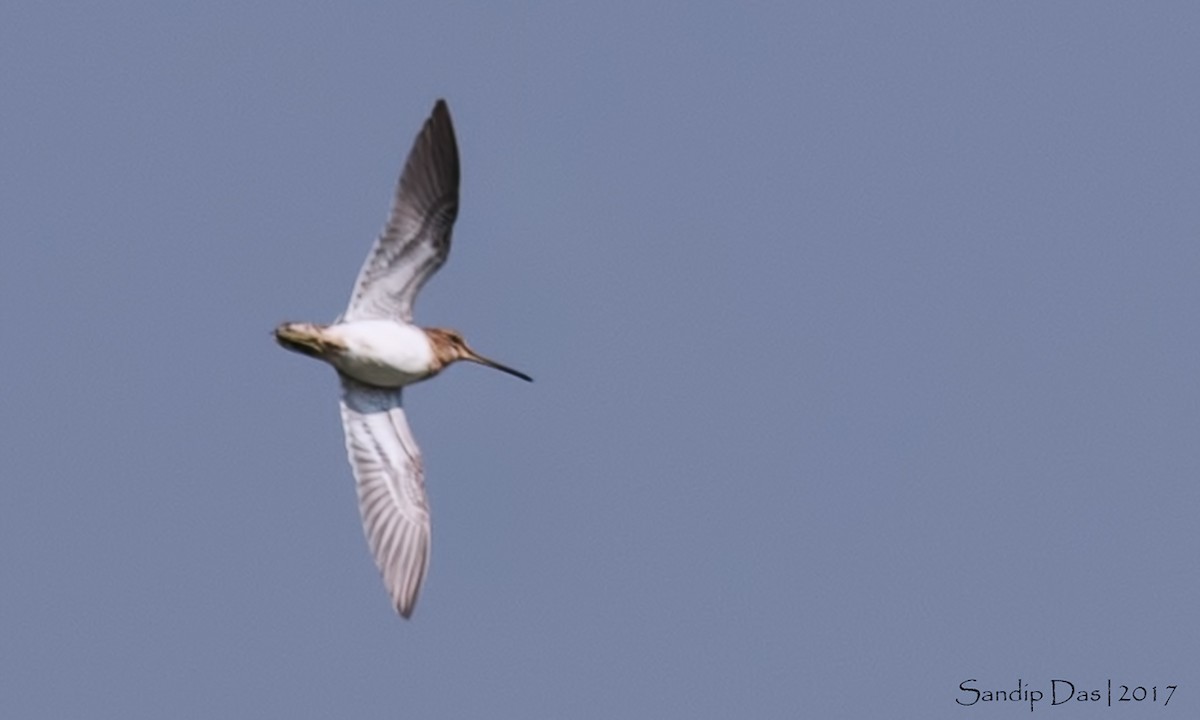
point(391, 488)
point(416, 239)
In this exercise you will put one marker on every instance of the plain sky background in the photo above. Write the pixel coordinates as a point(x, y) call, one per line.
point(864, 334)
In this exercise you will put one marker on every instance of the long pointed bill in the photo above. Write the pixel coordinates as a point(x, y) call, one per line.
point(476, 357)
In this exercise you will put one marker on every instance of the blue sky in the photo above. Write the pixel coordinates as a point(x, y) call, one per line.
point(864, 339)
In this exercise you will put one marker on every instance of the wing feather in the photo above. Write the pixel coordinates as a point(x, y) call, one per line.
point(416, 240)
point(391, 488)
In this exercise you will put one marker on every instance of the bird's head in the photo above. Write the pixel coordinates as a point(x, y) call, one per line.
point(449, 346)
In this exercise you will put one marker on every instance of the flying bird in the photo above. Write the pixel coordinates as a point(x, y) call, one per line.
point(377, 350)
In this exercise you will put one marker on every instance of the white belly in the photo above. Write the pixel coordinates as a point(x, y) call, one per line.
point(383, 353)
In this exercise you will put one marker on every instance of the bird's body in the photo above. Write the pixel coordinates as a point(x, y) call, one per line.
point(381, 353)
point(377, 350)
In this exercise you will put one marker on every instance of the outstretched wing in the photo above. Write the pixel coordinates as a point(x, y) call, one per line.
point(391, 488)
point(416, 239)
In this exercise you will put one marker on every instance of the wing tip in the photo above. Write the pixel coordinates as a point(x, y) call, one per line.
point(441, 125)
point(440, 117)
point(405, 600)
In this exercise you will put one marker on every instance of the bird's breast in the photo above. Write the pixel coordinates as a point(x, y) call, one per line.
point(383, 353)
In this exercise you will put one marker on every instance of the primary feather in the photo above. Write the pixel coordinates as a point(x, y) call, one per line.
point(416, 240)
point(391, 487)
